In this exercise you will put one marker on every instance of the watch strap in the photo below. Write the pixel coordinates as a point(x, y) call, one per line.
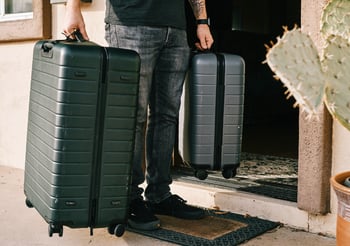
point(203, 21)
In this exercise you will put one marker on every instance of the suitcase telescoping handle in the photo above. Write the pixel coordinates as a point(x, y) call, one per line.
point(76, 34)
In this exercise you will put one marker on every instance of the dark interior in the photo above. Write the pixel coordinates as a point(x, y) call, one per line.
point(243, 27)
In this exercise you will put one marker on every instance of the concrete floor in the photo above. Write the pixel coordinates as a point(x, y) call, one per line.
point(20, 225)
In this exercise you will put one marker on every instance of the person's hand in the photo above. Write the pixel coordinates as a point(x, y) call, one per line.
point(204, 36)
point(74, 21)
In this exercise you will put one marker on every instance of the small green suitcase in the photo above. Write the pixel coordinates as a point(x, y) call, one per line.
point(215, 122)
point(80, 140)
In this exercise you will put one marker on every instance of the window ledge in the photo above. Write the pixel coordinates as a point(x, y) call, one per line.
point(17, 17)
point(26, 27)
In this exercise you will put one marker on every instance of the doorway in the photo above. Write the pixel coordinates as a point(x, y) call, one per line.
point(270, 130)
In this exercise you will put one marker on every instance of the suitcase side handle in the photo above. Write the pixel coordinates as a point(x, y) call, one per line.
point(46, 49)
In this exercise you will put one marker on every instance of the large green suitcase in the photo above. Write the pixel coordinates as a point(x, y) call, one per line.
point(80, 140)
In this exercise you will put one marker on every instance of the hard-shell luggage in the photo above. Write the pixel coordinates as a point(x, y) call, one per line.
point(80, 140)
point(216, 95)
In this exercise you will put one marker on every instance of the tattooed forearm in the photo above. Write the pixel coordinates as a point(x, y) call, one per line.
point(198, 7)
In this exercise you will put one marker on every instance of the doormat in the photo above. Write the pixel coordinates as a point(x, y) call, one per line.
point(217, 228)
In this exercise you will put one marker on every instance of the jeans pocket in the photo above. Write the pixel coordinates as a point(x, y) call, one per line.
point(111, 35)
point(108, 33)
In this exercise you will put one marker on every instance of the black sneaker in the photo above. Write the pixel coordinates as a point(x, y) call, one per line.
point(176, 206)
point(141, 216)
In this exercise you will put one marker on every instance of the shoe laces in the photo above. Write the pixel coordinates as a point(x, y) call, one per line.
point(178, 201)
point(139, 206)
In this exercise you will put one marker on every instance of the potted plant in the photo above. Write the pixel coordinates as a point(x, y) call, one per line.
point(313, 78)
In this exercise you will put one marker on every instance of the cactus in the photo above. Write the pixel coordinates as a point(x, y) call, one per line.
point(312, 78)
point(295, 61)
point(337, 68)
point(336, 18)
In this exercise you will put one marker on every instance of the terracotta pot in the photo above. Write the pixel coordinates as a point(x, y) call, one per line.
point(343, 215)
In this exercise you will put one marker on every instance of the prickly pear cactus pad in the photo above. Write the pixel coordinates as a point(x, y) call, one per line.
point(337, 67)
point(295, 61)
point(336, 19)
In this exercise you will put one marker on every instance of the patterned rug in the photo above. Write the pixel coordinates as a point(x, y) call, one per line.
point(265, 175)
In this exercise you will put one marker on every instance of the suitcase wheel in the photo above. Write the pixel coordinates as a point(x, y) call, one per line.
point(55, 229)
point(28, 203)
point(201, 174)
point(229, 173)
point(117, 230)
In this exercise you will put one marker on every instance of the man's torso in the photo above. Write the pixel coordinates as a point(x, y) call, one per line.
point(146, 12)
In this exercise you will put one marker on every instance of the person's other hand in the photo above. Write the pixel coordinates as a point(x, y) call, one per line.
point(204, 36)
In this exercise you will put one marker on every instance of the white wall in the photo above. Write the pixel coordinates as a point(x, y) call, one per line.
point(15, 67)
point(15, 72)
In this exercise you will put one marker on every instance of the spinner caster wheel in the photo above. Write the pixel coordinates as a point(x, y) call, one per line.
point(201, 174)
point(28, 203)
point(117, 230)
point(55, 229)
point(229, 173)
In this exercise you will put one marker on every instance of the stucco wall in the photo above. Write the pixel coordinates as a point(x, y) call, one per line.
point(15, 65)
point(15, 72)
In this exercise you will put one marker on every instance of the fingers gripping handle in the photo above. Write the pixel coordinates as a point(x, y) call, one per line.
point(47, 46)
point(74, 36)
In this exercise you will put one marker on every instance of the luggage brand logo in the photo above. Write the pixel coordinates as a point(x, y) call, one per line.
point(115, 203)
point(70, 203)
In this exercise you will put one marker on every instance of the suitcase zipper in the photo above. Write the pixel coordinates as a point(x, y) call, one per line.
point(219, 110)
point(98, 143)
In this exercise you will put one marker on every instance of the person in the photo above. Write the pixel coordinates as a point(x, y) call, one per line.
point(156, 30)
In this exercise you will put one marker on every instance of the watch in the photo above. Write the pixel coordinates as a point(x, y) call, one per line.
point(203, 21)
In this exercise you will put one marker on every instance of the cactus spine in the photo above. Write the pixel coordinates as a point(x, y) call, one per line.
point(312, 78)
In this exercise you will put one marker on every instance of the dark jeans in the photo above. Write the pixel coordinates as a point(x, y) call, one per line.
point(164, 54)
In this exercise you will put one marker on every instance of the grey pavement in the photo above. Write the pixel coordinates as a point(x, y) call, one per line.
point(20, 225)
